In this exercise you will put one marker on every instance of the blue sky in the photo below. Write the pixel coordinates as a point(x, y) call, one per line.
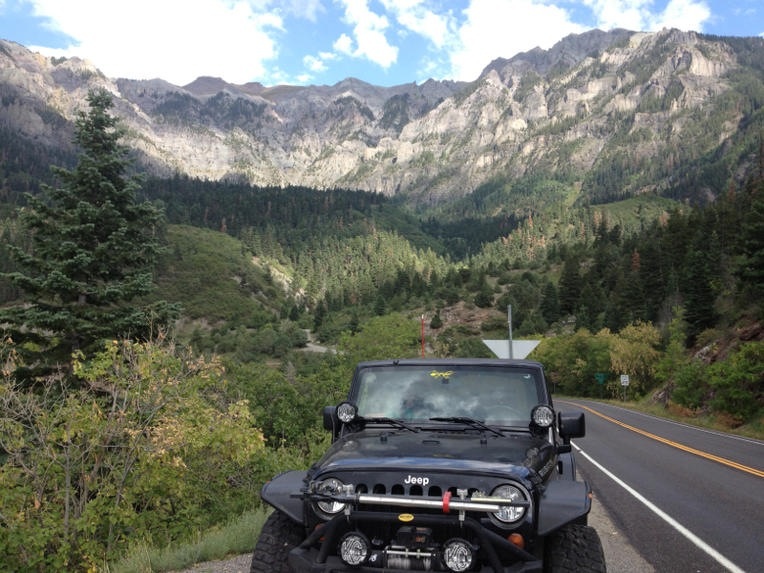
point(383, 42)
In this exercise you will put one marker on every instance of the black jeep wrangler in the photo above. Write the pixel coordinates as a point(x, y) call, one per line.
point(437, 465)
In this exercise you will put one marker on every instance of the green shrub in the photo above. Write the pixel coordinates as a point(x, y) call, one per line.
point(690, 384)
point(738, 382)
point(144, 443)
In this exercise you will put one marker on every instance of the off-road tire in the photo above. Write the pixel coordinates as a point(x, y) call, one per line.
point(278, 536)
point(574, 548)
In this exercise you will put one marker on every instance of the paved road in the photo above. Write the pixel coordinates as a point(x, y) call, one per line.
point(686, 499)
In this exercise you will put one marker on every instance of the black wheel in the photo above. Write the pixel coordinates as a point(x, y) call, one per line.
point(574, 548)
point(278, 536)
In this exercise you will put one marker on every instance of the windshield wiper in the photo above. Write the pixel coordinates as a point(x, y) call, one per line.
point(467, 422)
point(391, 421)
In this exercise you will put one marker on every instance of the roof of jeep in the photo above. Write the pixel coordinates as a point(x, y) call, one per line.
point(451, 361)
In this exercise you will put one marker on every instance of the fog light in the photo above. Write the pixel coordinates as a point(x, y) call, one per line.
point(458, 555)
point(354, 549)
point(542, 416)
point(346, 412)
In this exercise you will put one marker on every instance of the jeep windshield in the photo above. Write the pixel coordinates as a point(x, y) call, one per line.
point(417, 393)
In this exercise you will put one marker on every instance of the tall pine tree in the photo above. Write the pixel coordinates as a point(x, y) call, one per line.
point(751, 261)
point(570, 285)
point(93, 250)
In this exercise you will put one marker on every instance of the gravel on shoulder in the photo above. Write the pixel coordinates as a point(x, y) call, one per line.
point(237, 564)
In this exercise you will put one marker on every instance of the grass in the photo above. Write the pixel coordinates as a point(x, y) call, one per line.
point(719, 422)
point(235, 538)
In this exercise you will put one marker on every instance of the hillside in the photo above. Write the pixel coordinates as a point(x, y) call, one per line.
point(609, 115)
point(562, 182)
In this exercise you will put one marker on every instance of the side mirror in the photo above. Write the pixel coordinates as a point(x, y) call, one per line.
point(571, 425)
point(331, 421)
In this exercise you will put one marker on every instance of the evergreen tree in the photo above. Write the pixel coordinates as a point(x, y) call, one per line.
point(93, 249)
point(484, 299)
point(698, 294)
point(319, 315)
point(652, 279)
point(550, 303)
point(591, 306)
point(570, 285)
point(751, 264)
point(380, 306)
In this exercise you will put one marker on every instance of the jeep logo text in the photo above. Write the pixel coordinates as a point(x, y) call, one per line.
point(416, 480)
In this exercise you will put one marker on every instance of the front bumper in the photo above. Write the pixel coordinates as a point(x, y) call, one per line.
point(303, 561)
point(315, 554)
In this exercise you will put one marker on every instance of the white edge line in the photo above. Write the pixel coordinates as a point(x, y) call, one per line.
point(697, 541)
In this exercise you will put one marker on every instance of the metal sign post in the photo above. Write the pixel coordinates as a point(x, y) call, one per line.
point(600, 377)
point(625, 384)
point(422, 336)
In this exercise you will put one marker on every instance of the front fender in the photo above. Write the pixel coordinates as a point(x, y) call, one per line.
point(282, 492)
point(562, 502)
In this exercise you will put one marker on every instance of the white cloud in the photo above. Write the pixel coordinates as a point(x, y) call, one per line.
point(308, 9)
point(417, 17)
point(344, 45)
point(369, 40)
point(314, 64)
point(495, 28)
point(248, 40)
point(231, 39)
point(639, 14)
point(682, 14)
point(629, 14)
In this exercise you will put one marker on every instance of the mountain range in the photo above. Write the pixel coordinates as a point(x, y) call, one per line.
point(609, 114)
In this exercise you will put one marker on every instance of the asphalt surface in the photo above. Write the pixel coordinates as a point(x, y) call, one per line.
point(685, 499)
point(620, 555)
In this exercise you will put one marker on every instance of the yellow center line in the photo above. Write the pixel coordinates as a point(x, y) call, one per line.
point(702, 454)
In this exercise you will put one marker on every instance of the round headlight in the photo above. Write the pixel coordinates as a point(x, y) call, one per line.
point(458, 555)
point(542, 416)
point(346, 412)
point(353, 548)
point(331, 486)
point(509, 514)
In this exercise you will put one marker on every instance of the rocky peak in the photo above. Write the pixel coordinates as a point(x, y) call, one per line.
point(591, 102)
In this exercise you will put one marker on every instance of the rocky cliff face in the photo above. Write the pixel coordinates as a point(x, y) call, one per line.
point(593, 101)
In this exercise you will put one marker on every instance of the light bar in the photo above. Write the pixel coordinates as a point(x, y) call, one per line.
point(478, 503)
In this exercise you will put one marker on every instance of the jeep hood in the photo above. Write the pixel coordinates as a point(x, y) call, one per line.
point(522, 455)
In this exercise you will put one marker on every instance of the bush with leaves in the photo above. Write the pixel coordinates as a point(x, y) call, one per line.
point(147, 446)
point(394, 335)
point(572, 360)
point(737, 384)
point(690, 384)
point(634, 351)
